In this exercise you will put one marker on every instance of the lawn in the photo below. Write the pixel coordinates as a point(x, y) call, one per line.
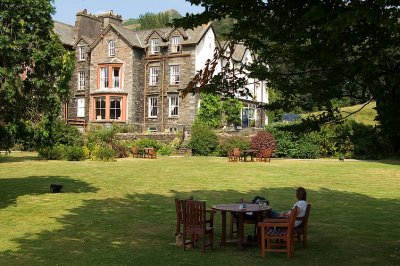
point(123, 213)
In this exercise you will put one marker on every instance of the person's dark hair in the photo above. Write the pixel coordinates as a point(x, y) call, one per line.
point(301, 193)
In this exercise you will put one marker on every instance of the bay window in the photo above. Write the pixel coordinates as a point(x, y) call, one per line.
point(115, 108)
point(108, 107)
point(100, 108)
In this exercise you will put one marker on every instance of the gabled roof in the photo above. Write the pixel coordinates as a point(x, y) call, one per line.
point(129, 36)
point(65, 32)
point(240, 51)
point(86, 39)
point(181, 32)
point(190, 36)
point(140, 38)
point(159, 33)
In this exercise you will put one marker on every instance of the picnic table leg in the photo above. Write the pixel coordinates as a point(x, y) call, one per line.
point(223, 229)
point(241, 230)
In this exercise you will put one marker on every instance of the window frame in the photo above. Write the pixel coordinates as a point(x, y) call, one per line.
point(119, 98)
point(115, 80)
point(152, 102)
point(174, 76)
point(80, 109)
point(81, 52)
point(176, 47)
point(154, 73)
point(104, 98)
point(108, 80)
point(155, 46)
point(108, 116)
point(111, 48)
point(173, 107)
point(81, 80)
point(104, 77)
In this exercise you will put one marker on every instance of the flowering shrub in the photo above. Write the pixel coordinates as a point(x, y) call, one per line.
point(263, 140)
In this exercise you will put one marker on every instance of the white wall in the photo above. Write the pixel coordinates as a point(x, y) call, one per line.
point(205, 50)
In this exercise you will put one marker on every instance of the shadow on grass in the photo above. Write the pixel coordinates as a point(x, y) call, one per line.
point(345, 228)
point(12, 188)
point(15, 158)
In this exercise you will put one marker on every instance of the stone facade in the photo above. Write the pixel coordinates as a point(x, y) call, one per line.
point(139, 82)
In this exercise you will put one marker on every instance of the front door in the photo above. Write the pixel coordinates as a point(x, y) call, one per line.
point(245, 117)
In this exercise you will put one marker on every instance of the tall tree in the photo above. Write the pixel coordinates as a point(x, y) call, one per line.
point(157, 20)
point(323, 49)
point(34, 67)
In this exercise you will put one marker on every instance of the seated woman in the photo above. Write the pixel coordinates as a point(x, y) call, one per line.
point(301, 203)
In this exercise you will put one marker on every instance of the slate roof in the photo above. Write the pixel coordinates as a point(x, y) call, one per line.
point(140, 38)
point(65, 32)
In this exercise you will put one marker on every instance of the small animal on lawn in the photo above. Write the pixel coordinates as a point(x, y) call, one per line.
point(56, 188)
point(179, 241)
point(341, 159)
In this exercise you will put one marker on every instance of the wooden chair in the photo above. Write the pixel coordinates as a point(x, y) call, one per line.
point(152, 153)
point(195, 224)
point(179, 214)
point(236, 154)
point(230, 156)
point(264, 156)
point(278, 234)
point(135, 152)
point(301, 230)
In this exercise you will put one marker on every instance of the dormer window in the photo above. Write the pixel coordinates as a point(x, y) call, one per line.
point(111, 48)
point(154, 46)
point(81, 53)
point(175, 44)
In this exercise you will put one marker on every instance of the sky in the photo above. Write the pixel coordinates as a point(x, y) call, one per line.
point(67, 9)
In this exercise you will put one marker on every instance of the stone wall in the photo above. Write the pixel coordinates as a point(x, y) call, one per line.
point(75, 93)
point(163, 138)
point(187, 106)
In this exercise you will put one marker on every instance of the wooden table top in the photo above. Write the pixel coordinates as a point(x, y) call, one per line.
point(235, 207)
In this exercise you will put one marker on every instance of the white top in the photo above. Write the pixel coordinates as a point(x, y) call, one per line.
point(302, 206)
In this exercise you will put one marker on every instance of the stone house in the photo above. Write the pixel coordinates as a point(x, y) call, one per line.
point(135, 77)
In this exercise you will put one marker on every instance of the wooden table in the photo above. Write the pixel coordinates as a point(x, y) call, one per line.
point(246, 153)
point(234, 208)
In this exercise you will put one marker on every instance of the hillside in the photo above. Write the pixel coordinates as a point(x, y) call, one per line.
point(221, 27)
point(365, 116)
point(134, 23)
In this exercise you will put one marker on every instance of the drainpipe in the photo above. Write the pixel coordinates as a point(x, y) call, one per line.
point(144, 96)
point(162, 96)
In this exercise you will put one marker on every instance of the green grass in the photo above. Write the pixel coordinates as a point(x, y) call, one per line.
point(122, 213)
point(365, 116)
